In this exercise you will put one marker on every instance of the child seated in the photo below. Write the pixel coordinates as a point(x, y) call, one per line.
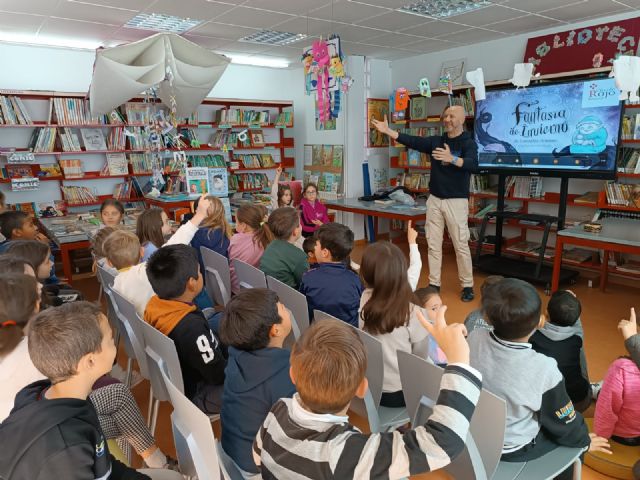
point(254, 326)
point(176, 279)
point(332, 287)
point(617, 413)
point(429, 299)
point(55, 429)
point(111, 213)
point(252, 237)
point(281, 195)
point(310, 436)
point(313, 211)
point(476, 319)
point(214, 232)
point(152, 226)
point(97, 248)
point(282, 259)
point(309, 247)
point(540, 415)
point(561, 339)
point(124, 252)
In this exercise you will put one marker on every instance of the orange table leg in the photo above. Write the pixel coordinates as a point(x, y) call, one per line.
point(67, 269)
point(557, 264)
point(604, 271)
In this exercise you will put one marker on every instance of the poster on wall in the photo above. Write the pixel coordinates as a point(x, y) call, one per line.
point(377, 108)
point(583, 48)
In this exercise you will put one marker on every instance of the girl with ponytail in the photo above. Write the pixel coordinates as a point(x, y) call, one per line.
point(252, 237)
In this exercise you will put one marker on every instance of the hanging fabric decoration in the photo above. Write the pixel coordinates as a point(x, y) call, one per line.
point(626, 70)
point(476, 78)
point(321, 58)
point(522, 74)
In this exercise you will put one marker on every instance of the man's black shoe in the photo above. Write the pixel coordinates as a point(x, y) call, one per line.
point(467, 294)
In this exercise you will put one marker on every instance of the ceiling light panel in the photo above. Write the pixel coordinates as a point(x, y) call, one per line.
point(162, 23)
point(443, 8)
point(273, 37)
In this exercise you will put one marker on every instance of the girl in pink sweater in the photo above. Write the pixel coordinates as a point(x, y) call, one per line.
point(314, 213)
point(252, 238)
point(618, 406)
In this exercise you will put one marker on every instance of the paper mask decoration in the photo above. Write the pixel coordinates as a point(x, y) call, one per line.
point(476, 78)
point(183, 71)
point(425, 88)
point(401, 99)
point(626, 70)
point(445, 84)
point(522, 74)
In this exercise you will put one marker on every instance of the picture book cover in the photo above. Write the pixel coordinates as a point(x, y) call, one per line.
point(377, 108)
point(197, 180)
point(338, 152)
point(117, 163)
point(49, 209)
point(218, 182)
point(93, 139)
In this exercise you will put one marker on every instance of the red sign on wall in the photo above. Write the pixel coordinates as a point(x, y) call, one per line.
point(583, 48)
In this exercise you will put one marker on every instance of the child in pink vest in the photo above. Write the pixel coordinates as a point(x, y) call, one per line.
point(314, 213)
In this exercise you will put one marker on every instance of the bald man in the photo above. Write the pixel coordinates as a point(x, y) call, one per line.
point(454, 156)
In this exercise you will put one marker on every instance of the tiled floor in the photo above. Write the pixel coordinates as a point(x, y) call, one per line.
point(601, 313)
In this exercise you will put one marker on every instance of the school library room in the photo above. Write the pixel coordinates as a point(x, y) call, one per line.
point(178, 178)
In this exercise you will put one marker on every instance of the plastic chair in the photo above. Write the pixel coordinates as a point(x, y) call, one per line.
point(483, 446)
point(295, 301)
point(248, 276)
point(380, 418)
point(193, 435)
point(217, 276)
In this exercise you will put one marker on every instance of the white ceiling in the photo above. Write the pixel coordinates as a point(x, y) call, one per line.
point(367, 27)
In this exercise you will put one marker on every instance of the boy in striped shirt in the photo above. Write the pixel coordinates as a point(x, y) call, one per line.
point(309, 436)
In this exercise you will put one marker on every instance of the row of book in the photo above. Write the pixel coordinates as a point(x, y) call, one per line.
point(465, 101)
point(69, 140)
point(27, 171)
point(229, 139)
point(629, 161)
point(13, 111)
point(630, 127)
point(129, 190)
point(71, 111)
point(623, 194)
point(46, 139)
point(479, 183)
point(326, 182)
point(413, 181)
point(262, 160)
point(413, 158)
point(524, 187)
point(248, 181)
point(419, 132)
point(207, 161)
point(140, 162)
point(43, 140)
point(240, 116)
point(326, 155)
point(78, 195)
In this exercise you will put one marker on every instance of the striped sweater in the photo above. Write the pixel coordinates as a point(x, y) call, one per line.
point(297, 444)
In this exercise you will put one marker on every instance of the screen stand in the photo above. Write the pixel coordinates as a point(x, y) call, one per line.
point(499, 220)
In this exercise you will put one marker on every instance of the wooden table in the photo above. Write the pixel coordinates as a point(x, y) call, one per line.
point(376, 210)
point(66, 243)
point(617, 235)
point(169, 205)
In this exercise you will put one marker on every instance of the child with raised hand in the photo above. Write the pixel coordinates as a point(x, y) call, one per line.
point(617, 414)
point(313, 212)
point(281, 195)
point(328, 365)
point(152, 227)
point(124, 252)
point(72, 346)
point(111, 213)
point(254, 327)
point(252, 237)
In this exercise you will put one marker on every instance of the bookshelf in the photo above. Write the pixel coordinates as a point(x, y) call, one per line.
point(57, 123)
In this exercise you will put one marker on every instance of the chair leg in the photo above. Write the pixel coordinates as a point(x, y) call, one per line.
point(100, 295)
point(150, 409)
point(154, 418)
point(129, 372)
point(577, 469)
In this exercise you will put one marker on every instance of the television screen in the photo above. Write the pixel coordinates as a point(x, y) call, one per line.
point(562, 129)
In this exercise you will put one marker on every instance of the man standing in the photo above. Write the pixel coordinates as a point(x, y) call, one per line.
point(454, 156)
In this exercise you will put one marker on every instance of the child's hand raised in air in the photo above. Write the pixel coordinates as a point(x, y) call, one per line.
point(412, 234)
point(629, 328)
point(599, 444)
point(202, 211)
point(450, 338)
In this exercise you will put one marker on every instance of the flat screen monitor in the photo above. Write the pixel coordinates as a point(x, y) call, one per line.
point(567, 129)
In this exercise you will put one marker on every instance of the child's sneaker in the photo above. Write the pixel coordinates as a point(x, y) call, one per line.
point(595, 390)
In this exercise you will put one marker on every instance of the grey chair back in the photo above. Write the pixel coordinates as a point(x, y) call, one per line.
point(248, 276)
point(161, 354)
point(217, 276)
point(129, 317)
point(295, 301)
point(195, 443)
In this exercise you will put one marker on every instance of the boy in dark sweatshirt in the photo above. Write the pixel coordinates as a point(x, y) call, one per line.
point(540, 414)
point(174, 274)
point(332, 286)
point(254, 326)
point(561, 339)
point(54, 429)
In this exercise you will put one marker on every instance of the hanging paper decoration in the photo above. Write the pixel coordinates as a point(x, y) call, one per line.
point(476, 78)
point(402, 99)
point(425, 88)
point(325, 76)
point(522, 74)
point(626, 70)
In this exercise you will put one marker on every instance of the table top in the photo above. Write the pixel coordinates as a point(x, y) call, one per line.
point(174, 198)
point(394, 208)
point(623, 231)
point(72, 228)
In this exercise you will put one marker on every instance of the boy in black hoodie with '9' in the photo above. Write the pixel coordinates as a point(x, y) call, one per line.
point(54, 429)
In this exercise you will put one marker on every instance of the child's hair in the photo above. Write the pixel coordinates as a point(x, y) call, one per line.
point(264, 211)
point(59, 338)
point(424, 294)
point(328, 363)
point(253, 217)
point(18, 302)
point(512, 307)
point(33, 251)
point(309, 244)
point(336, 238)
point(3, 205)
point(384, 269)
point(149, 227)
point(97, 244)
point(11, 220)
point(122, 249)
point(216, 217)
point(310, 184)
point(489, 282)
point(169, 269)
point(13, 264)
point(564, 309)
point(248, 318)
point(283, 221)
point(112, 202)
point(281, 191)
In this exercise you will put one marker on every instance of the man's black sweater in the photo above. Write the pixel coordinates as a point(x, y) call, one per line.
point(447, 181)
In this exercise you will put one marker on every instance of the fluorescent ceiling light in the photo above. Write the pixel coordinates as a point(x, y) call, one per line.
point(35, 39)
point(443, 8)
point(258, 61)
point(273, 37)
point(162, 23)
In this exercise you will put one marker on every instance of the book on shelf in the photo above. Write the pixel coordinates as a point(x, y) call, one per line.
point(140, 162)
point(577, 255)
point(55, 208)
point(50, 170)
point(257, 138)
point(69, 140)
point(30, 208)
point(629, 161)
point(72, 168)
point(192, 119)
point(627, 128)
point(13, 111)
point(116, 139)
point(262, 160)
point(128, 190)
point(218, 182)
point(248, 181)
point(623, 194)
point(43, 140)
point(464, 100)
point(479, 183)
point(93, 139)
point(284, 119)
point(137, 139)
point(71, 111)
point(418, 108)
point(137, 112)
point(78, 195)
point(221, 138)
point(636, 127)
point(117, 164)
point(588, 198)
point(19, 171)
point(240, 116)
point(198, 179)
point(207, 161)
